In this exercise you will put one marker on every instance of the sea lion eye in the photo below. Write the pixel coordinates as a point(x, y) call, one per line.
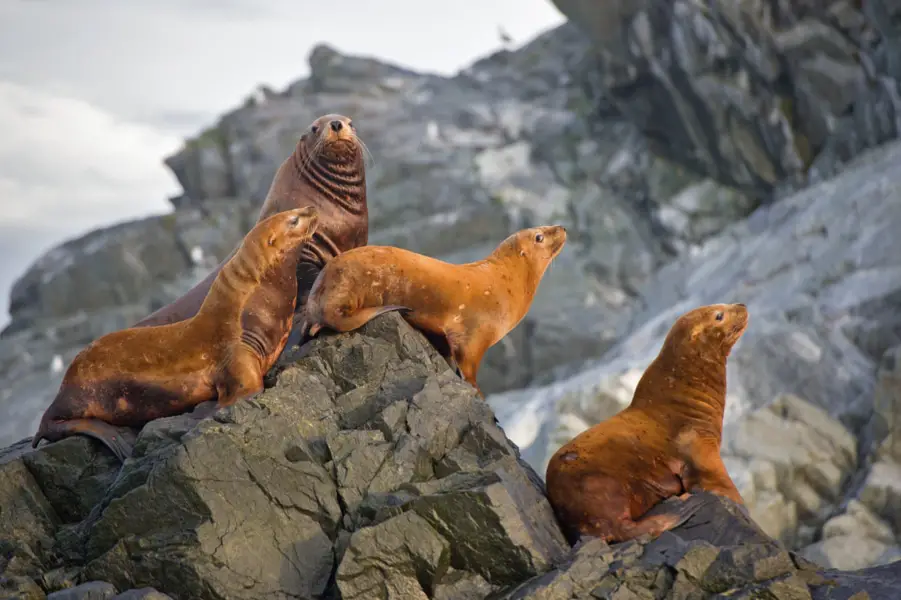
point(315, 128)
point(539, 238)
point(719, 316)
point(350, 124)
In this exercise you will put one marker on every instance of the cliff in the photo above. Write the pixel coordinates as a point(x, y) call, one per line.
point(696, 151)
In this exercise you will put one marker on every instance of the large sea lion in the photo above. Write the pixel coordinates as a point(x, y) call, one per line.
point(325, 171)
point(468, 307)
point(129, 377)
point(665, 443)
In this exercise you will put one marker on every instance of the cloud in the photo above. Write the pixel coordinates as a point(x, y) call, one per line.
point(140, 59)
point(67, 166)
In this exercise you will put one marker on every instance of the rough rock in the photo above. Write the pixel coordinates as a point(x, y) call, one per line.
point(756, 95)
point(93, 590)
point(853, 540)
point(790, 458)
point(663, 215)
point(718, 553)
point(364, 439)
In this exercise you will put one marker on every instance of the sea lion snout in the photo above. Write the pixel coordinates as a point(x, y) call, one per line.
point(336, 125)
point(557, 236)
point(307, 212)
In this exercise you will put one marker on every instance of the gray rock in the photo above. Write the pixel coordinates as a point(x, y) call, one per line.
point(146, 593)
point(73, 474)
point(794, 451)
point(740, 561)
point(362, 434)
point(886, 421)
point(27, 520)
point(20, 588)
point(755, 96)
point(402, 557)
point(367, 469)
point(93, 590)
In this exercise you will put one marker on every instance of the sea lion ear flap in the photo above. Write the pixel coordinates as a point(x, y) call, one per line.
point(695, 333)
point(271, 240)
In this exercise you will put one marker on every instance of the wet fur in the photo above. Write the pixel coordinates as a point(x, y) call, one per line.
point(665, 444)
point(470, 306)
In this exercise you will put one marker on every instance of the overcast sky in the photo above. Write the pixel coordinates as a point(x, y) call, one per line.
point(94, 93)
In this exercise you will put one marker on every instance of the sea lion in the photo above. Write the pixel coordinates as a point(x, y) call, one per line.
point(129, 377)
point(665, 443)
point(468, 307)
point(325, 171)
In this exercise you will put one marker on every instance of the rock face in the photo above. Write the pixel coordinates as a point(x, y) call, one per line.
point(367, 469)
point(753, 94)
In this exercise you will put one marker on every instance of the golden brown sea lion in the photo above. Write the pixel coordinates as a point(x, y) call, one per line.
point(665, 443)
point(129, 377)
point(470, 306)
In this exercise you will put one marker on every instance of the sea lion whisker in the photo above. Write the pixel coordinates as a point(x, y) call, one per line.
point(365, 150)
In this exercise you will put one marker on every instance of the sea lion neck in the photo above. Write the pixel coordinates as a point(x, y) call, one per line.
point(692, 383)
point(524, 271)
point(341, 178)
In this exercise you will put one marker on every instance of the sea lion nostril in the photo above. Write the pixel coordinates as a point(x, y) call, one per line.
point(336, 125)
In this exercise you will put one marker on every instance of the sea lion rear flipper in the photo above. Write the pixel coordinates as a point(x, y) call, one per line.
point(120, 440)
point(375, 312)
point(682, 510)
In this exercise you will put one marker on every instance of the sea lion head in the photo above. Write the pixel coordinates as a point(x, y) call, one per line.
point(540, 245)
point(287, 231)
point(716, 328)
point(333, 138)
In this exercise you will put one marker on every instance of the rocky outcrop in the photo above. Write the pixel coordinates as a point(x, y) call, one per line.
point(757, 95)
point(366, 469)
point(655, 137)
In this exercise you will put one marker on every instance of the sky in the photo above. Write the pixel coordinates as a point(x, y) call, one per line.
point(95, 93)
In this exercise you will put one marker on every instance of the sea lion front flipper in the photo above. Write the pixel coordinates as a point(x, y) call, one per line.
point(120, 440)
point(298, 334)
